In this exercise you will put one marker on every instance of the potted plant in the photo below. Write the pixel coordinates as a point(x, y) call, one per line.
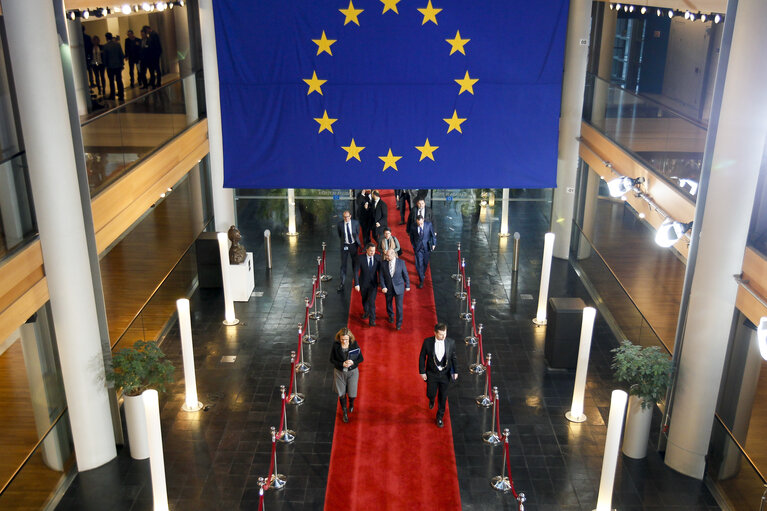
point(136, 369)
point(647, 371)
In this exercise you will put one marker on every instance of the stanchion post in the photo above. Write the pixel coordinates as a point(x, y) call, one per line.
point(466, 315)
point(501, 482)
point(543, 294)
point(515, 259)
point(471, 339)
point(579, 389)
point(285, 435)
point(320, 293)
point(324, 277)
point(308, 339)
point(191, 404)
point(457, 275)
point(223, 251)
point(295, 397)
point(477, 367)
point(491, 437)
point(268, 248)
point(302, 366)
point(278, 480)
point(461, 294)
point(612, 444)
point(156, 458)
point(315, 315)
point(485, 400)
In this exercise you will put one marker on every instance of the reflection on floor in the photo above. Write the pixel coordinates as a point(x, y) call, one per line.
point(215, 457)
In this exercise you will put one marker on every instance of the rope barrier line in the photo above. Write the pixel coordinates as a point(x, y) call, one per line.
point(479, 345)
point(508, 469)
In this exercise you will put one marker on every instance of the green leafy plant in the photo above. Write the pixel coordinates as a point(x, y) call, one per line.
point(141, 367)
point(647, 371)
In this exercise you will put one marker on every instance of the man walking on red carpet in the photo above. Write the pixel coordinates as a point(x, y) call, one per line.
point(437, 364)
point(366, 282)
point(394, 281)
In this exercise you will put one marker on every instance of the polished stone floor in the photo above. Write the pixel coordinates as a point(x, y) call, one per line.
point(213, 458)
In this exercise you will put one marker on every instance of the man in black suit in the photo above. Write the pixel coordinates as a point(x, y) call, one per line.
point(418, 209)
point(424, 240)
point(402, 202)
point(349, 234)
point(380, 216)
point(394, 282)
point(154, 53)
point(367, 281)
point(364, 213)
point(437, 364)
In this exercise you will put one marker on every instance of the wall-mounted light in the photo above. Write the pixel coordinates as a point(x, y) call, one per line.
point(671, 13)
point(659, 12)
point(717, 18)
point(622, 185)
point(670, 232)
point(86, 14)
point(761, 336)
point(643, 10)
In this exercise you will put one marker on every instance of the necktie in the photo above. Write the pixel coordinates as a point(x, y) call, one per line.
point(420, 232)
point(391, 269)
point(348, 233)
point(370, 263)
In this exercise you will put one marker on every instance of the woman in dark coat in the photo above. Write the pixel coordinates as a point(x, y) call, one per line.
point(345, 356)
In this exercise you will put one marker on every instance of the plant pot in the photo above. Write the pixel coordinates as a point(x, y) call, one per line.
point(135, 420)
point(637, 432)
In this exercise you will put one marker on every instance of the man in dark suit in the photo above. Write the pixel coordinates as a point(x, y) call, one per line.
point(364, 213)
point(367, 281)
point(403, 202)
point(424, 240)
point(349, 234)
point(437, 364)
point(419, 208)
point(380, 216)
point(153, 57)
point(394, 282)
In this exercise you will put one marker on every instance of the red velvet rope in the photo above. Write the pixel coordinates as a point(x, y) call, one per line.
point(282, 423)
point(459, 257)
point(508, 470)
point(261, 502)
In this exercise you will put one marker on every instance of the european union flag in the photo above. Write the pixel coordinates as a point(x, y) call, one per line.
point(390, 93)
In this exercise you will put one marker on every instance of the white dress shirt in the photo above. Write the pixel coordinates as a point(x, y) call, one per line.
point(439, 350)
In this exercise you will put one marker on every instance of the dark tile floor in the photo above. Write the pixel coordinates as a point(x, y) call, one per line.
point(213, 458)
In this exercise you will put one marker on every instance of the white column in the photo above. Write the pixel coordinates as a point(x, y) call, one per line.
point(42, 103)
point(187, 352)
point(292, 212)
point(505, 213)
point(543, 293)
point(573, 85)
point(723, 214)
point(610, 456)
point(223, 198)
point(156, 457)
point(584, 348)
point(607, 42)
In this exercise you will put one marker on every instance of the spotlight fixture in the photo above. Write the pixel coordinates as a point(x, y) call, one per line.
point(86, 14)
point(658, 12)
point(622, 185)
point(625, 8)
point(104, 11)
point(161, 6)
point(686, 15)
point(612, 7)
point(617, 7)
point(641, 215)
point(631, 8)
point(703, 18)
point(181, 3)
point(643, 10)
point(717, 18)
point(146, 6)
point(691, 183)
point(761, 336)
point(72, 15)
point(125, 9)
point(671, 13)
point(670, 232)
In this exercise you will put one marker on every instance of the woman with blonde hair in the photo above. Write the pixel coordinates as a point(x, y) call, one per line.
point(345, 355)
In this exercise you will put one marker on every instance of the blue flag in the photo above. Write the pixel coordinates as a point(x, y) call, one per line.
point(390, 93)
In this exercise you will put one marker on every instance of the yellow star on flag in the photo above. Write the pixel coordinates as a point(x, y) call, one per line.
point(457, 43)
point(454, 122)
point(390, 161)
point(326, 123)
point(429, 13)
point(427, 151)
point(314, 83)
point(467, 84)
point(351, 14)
point(353, 151)
point(323, 44)
point(390, 5)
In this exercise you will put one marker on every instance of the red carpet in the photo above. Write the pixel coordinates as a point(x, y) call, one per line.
point(392, 455)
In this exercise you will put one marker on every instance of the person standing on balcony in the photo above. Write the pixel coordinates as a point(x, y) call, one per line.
point(132, 55)
point(98, 64)
point(113, 60)
point(153, 54)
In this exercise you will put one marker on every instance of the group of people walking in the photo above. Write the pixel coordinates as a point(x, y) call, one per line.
point(142, 54)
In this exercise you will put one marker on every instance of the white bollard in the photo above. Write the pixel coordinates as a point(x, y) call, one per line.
point(543, 294)
point(156, 459)
point(612, 444)
point(505, 214)
point(579, 390)
point(191, 404)
point(292, 212)
point(223, 249)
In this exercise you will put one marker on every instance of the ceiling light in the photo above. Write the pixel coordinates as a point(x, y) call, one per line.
point(617, 7)
point(717, 18)
point(703, 18)
point(658, 12)
point(161, 6)
point(670, 232)
point(761, 336)
point(671, 13)
point(86, 14)
point(104, 11)
point(612, 7)
point(625, 8)
point(126, 9)
point(146, 6)
point(631, 8)
point(641, 215)
point(72, 15)
point(622, 185)
point(643, 10)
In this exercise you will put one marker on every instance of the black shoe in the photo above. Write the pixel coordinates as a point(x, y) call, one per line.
point(420, 285)
point(399, 327)
point(372, 322)
point(365, 316)
point(402, 223)
point(439, 422)
point(351, 408)
point(390, 319)
point(346, 417)
point(340, 289)
point(431, 404)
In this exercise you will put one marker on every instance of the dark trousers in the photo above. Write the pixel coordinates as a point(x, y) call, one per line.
point(155, 76)
point(369, 294)
point(91, 81)
point(436, 386)
point(404, 200)
point(421, 262)
point(378, 232)
point(133, 64)
point(346, 252)
point(142, 68)
point(101, 83)
point(116, 75)
point(391, 297)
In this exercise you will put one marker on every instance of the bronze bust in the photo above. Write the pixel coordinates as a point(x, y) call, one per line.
point(236, 251)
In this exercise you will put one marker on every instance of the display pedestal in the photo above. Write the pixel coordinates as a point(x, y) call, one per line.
point(242, 279)
point(562, 333)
